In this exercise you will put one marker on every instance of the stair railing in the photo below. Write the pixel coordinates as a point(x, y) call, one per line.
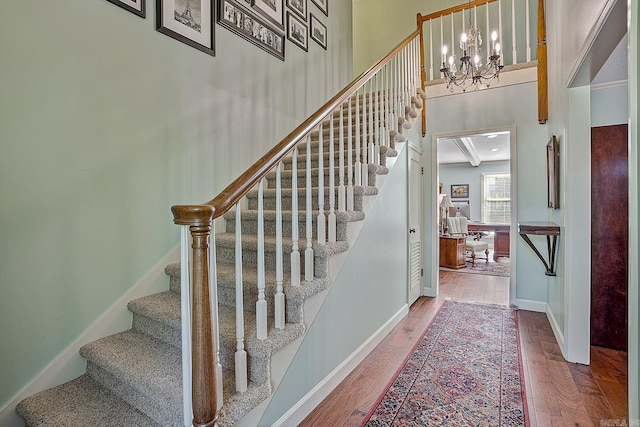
point(385, 101)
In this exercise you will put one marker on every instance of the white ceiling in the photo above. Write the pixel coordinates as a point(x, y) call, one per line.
point(489, 147)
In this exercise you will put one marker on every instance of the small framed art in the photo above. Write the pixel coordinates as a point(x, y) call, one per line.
point(270, 9)
point(460, 191)
point(134, 6)
point(323, 5)
point(297, 31)
point(251, 27)
point(299, 7)
point(188, 21)
point(318, 31)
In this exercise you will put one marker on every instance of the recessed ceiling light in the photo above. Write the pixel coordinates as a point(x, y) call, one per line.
point(493, 150)
point(493, 135)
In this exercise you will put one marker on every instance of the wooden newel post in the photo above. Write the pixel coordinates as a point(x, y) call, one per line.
point(543, 97)
point(199, 218)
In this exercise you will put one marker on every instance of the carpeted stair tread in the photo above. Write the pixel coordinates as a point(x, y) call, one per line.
point(286, 192)
point(150, 366)
point(80, 402)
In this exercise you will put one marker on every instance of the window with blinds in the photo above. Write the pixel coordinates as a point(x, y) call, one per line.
point(496, 198)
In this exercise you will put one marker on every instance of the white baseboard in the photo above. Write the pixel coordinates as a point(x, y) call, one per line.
point(556, 330)
point(529, 305)
point(304, 406)
point(69, 364)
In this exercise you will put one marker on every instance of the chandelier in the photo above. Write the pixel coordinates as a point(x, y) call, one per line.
point(471, 72)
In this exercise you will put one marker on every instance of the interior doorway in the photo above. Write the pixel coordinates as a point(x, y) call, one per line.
point(475, 183)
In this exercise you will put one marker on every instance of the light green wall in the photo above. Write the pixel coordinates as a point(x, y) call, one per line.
point(106, 123)
point(609, 105)
point(490, 109)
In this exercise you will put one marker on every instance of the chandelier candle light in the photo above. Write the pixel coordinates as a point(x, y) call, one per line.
point(472, 72)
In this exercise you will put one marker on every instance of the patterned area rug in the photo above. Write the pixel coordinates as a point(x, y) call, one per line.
point(500, 268)
point(465, 371)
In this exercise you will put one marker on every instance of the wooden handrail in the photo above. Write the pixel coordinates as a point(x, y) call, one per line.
point(241, 186)
point(454, 9)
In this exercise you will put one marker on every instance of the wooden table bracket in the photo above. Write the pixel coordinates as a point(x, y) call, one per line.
point(547, 229)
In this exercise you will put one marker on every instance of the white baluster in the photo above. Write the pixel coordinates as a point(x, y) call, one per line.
point(185, 313)
point(358, 166)
point(308, 253)
point(376, 141)
point(241, 354)
point(513, 31)
point(295, 252)
point(261, 304)
point(500, 24)
point(489, 52)
point(365, 167)
point(332, 189)
point(215, 328)
point(279, 296)
point(350, 159)
point(528, 30)
point(322, 231)
point(342, 190)
point(431, 56)
point(370, 148)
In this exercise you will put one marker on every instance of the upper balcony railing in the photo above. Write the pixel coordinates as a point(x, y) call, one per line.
point(519, 25)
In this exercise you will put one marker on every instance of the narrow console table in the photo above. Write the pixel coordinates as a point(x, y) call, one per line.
point(452, 252)
point(500, 238)
point(542, 229)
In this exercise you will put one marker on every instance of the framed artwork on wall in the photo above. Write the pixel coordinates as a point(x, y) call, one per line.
point(188, 21)
point(318, 31)
point(270, 9)
point(460, 191)
point(553, 173)
point(251, 27)
point(134, 6)
point(323, 5)
point(299, 7)
point(297, 31)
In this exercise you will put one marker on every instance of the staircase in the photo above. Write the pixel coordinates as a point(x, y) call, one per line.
point(134, 378)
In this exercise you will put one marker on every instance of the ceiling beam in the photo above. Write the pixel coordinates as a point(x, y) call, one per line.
point(466, 147)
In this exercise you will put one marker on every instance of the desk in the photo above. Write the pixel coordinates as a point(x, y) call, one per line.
point(500, 240)
point(452, 252)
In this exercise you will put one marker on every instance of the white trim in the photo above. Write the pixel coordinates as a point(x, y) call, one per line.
point(514, 77)
point(304, 406)
point(557, 332)
point(69, 364)
point(530, 305)
point(609, 85)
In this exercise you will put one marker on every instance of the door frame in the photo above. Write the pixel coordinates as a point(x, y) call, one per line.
point(435, 179)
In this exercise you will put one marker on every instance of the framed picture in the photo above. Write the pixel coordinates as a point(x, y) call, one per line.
point(251, 27)
point(297, 31)
point(460, 191)
point(553, 175)
point(322, 5)
point(299, 7)
point(318, 31)
point(270, 9)
point(135, 6)
point(188, 21)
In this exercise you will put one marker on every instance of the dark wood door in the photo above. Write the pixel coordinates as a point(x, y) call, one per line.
point(609, 236)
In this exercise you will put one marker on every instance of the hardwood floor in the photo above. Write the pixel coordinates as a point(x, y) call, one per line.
point(558, 393)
